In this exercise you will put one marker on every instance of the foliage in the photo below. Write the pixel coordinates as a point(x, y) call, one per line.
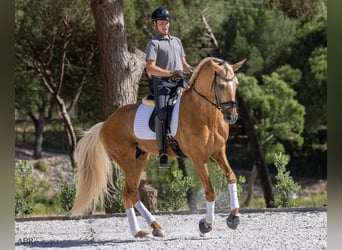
point(174, 196)
point(241, 180)
point(31, 194)
point(39, 30)
point(41, 166)
point(254, 32)
point(24, 188)
point(68, 192)
point(285, 187)
point(55, 46)
point(170, 183)
point(277, 114)
point(219, 182)
point(309, 49)
point(303, 9)
point(116, 203)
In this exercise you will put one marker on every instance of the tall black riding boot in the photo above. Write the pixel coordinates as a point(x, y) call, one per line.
point(161, 142)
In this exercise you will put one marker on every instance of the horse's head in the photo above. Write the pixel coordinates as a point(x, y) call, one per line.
point(223, 87)
point(225, 84)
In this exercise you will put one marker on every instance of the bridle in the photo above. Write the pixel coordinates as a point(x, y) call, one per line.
point(219, 105)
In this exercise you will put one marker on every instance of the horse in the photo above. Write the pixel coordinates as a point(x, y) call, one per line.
point(207, 108)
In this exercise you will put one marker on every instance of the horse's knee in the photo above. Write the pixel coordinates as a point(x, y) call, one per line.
point(231, 178)
point(210, 196)
point(129, 197)
point(126, 200)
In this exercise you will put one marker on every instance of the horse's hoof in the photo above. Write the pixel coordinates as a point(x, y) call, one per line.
point(141, 234)
point(204, 227)
point(157, 230)
point(233, 221)
point(158, 233)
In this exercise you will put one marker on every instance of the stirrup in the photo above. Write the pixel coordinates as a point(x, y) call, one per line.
point(163, 160)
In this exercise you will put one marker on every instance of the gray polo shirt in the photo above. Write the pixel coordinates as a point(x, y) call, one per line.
point(167, 53)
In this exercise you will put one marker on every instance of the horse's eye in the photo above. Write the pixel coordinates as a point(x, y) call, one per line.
point(221, 86)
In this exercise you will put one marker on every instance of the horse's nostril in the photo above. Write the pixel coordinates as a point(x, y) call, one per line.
point(231, 119)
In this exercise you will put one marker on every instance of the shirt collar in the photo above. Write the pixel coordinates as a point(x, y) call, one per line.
point(160, 37)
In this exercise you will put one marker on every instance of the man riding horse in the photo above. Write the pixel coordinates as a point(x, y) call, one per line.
point(165, 61)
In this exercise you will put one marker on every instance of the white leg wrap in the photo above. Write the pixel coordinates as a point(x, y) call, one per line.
point(144, 212)
point(234, 202)
point(132, 220)
point(209, 217)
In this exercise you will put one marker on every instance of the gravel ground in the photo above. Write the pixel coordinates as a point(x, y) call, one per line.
point(264, 229)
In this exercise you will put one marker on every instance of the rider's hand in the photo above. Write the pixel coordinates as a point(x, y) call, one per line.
point(177, 75)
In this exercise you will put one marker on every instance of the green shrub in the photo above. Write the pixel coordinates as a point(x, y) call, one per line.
point(41, 165)
point(241, 180)
point(116, 203)
point(285, 187)
point(24, 188)
point(68, 192)
point(174, 196)
point(172, 186)
point(31, 194)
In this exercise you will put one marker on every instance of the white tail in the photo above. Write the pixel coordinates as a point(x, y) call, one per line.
point(94, 172)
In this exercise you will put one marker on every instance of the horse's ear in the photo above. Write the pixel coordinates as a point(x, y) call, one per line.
point(237, 65)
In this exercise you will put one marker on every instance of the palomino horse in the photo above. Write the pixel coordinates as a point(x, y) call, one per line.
point(206, 109)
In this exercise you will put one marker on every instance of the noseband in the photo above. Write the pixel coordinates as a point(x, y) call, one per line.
point(219, 105)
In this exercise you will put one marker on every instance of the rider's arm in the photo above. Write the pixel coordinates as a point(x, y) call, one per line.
point(153, 69)
point(186, 67)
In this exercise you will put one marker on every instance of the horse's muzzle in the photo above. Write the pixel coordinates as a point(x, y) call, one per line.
point(230, 118)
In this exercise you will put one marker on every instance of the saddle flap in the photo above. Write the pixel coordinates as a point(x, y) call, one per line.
point(144, 121)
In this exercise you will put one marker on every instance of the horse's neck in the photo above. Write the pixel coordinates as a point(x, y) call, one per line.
point(204, 80)
point(198, 110)
point(200, 118)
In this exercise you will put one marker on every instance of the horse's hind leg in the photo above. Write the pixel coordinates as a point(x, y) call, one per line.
point(233, 218)
point(133, 169)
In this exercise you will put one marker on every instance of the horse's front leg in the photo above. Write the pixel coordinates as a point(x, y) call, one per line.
point(233, 219)
point(206, 224)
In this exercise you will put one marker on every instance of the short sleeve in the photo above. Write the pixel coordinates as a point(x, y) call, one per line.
point(151, 51)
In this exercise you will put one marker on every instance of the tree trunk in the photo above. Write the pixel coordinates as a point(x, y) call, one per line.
point(39, 124)
point(70, 132)
point(120, 70)
point(258, 152)
point(39, 130)
point(38, 145)
point(251, 180)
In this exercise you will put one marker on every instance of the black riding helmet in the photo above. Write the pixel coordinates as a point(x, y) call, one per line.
point(161, 13)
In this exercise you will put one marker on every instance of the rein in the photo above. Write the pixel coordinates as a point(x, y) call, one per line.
point(218, 105)
point(206, 98)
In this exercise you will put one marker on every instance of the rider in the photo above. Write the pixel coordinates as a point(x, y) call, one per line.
point(165, 61)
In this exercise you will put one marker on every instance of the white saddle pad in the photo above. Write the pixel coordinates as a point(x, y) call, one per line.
point(142, 117)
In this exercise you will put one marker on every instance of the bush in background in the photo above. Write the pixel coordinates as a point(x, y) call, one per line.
point(116, 203)
point(170, 183)
point(68, 192)
point(24, 188)
point(174, 196)
point(285, 188)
